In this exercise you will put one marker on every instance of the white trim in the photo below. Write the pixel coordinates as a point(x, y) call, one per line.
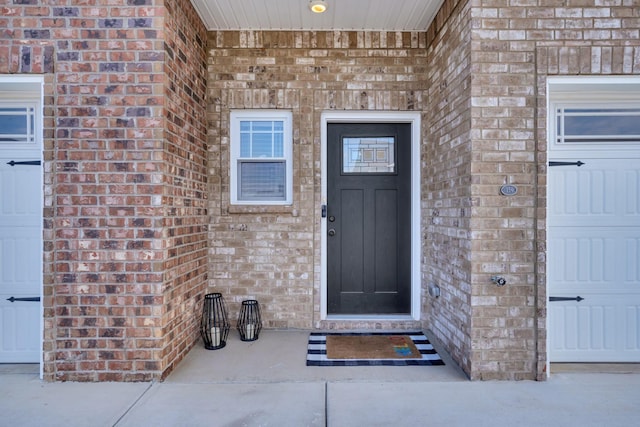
point(24, 85)
point(592, 87)
point(276, 115)
point(413, 118)
point(31, 87)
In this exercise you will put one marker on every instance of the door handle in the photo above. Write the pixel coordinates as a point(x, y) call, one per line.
point(332, 232)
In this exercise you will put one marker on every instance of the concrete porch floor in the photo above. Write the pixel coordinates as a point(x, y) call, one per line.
point(266, 383)
point(280, 356)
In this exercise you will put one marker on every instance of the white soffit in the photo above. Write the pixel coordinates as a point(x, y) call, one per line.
point(376, 15)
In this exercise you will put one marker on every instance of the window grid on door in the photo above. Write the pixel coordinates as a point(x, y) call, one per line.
point(593, 123)
point(17, 124)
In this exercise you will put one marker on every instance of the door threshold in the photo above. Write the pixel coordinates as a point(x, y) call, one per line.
point(363, 317)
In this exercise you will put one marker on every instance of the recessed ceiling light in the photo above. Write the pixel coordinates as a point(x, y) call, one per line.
point(318, 6)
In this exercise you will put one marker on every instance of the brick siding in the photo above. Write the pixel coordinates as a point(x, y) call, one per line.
point(273, 254)
point(447, 175)
point(125, 239)
point(513, 49)
point(185, 181)
point(488, 64)
point(137, 219)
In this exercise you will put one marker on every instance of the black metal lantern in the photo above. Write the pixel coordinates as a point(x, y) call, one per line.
point(214, 326)
point(249, 321)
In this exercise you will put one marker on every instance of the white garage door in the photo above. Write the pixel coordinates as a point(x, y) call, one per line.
point(20, 233)
point(594, 236)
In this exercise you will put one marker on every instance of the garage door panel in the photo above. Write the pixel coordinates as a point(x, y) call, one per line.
point(605, 259)
point(632, 339)
point(601, 192)
point(593, 222)
point(589, 330)
point(594, 253)
point(24, 345)
point(593, 325)
point(17, 186)
point(20, 257)
point(632, 185)
point(632, 262)
point(19, 269)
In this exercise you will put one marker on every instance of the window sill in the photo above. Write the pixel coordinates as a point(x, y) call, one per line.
point(262, 209)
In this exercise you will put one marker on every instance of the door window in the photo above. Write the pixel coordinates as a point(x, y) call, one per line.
point(368, 155)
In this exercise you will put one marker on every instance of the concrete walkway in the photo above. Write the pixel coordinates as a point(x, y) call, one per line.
point(266, 383)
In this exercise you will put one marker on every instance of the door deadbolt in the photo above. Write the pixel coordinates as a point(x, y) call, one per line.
point(332, 218)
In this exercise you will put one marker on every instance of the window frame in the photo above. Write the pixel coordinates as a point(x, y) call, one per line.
point(236, 117)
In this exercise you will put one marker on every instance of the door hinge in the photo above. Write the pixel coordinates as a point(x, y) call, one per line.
point(26, 163)
point(29, 299)
point(578, 298)
point(578, 163)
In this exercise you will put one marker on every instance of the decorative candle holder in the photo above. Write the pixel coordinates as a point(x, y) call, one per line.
point(214, 326)
point(249, 321)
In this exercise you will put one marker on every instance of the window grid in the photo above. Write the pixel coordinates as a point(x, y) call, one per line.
point(17, 125)
point(261, 139)
point(368, 155)
point(597, 124)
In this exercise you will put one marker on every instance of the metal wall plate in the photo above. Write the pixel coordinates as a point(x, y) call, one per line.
point(508, 190)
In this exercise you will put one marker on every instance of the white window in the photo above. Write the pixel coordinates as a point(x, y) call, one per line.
point(261, 158)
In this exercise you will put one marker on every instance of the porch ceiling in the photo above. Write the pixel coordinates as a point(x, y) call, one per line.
point(378, 15)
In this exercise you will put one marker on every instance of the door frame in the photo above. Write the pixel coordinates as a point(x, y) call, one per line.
point(414, 119)
point(11, 84)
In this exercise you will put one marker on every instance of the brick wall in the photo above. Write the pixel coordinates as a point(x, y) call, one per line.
point(185, 181)
point(514, 47)
point(446, 170)
point(122, 273)
point(488, 89)
point(128, 178)
point(503, 228)
point(270, 253)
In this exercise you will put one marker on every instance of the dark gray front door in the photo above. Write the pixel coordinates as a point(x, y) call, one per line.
point(369, 218)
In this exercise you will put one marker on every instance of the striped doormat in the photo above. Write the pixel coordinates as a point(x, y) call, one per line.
point(317, 350)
